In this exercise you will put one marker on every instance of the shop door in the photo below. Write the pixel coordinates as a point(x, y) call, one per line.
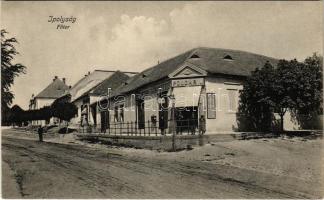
point(104, 121)
point(187, 119)
point(141, 114)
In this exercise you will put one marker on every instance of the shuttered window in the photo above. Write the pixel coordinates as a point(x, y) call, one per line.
point(232, 100)
point(211, 105)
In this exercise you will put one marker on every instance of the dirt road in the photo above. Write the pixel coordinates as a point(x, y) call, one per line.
point(51, 170)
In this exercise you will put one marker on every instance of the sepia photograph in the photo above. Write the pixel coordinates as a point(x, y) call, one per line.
point(162, 100)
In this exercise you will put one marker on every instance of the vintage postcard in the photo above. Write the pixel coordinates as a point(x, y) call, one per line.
point(162, 99)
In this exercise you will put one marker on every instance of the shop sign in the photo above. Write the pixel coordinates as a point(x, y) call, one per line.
point(188, 82)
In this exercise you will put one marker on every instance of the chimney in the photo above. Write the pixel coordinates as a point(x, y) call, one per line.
point(63, 79)
point(55, 77)
point(88, 72)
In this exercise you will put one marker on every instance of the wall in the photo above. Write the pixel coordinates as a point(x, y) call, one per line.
point(225, 120)
point(40, 103)
point(77, 120)
point(166, 142)
point(291, 124)
point(43, 102)
point(130, 108)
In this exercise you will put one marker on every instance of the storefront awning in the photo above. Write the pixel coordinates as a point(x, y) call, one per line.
point(186, 96)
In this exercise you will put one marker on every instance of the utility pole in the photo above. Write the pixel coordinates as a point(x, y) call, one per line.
point(173, 122)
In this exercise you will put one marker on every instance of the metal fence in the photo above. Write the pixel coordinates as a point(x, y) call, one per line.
point(147, 128)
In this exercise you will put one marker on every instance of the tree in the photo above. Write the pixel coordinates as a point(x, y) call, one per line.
point(8, 72)
point(64, 111)
point(15, 115)
point(255, 108)
point(291, 86)
point(285, 88)
point(309, 91)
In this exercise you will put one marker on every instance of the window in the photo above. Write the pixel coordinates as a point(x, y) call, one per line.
point(211, 105)
point(228, 57)
point(232, 93)
point(194, 56)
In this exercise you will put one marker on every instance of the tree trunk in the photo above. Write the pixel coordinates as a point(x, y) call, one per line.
point(67, 127)
point(281, 123)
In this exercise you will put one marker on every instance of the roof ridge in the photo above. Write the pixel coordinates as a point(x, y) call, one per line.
point(49, 87)
point(104, 70)
point(168, 59)
point(235, 50)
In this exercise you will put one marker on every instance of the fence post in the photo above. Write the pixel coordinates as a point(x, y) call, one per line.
point(131, 128)
point(149, 127)
point(144, 128)
point(120, 128)
point(188, 126)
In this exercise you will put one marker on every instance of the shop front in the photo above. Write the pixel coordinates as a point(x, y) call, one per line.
point(187, 93)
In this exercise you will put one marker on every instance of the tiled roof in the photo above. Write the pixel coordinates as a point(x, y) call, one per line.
point(54, 90)
point(213, 60)
point(88, 82)
point(115, 80)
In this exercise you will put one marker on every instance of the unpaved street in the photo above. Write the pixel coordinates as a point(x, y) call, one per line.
point(52, 170)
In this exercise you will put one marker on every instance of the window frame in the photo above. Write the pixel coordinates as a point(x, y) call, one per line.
point(235, 100)
point(209, 111)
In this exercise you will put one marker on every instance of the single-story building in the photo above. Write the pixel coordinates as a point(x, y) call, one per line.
point(200, 83)
point(84, 93)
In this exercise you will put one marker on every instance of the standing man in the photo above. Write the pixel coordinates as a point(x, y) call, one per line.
point(202, 125)
point(161, 124)
point(40, 133)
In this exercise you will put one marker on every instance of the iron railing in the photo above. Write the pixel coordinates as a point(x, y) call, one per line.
point(147, 128)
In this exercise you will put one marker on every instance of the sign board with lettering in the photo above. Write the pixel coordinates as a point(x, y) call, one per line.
point(188, 82)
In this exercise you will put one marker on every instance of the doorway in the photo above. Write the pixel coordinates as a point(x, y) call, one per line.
point(104, 116)
point(186, 119)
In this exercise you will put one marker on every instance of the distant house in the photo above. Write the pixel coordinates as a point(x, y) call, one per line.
point(87, 91)
point(47, 96)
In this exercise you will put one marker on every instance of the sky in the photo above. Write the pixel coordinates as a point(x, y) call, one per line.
point(132, 36)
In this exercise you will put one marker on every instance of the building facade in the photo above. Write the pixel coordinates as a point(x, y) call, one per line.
point(46, 97)
point(84, 94)
point(198, 87)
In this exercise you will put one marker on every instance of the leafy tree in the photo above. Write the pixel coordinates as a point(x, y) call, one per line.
point(285, 87)
point(15, 115)
point(8, 72)
point(64, 111)
point(309, 91)
point(255, 108)
point(291, 86)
